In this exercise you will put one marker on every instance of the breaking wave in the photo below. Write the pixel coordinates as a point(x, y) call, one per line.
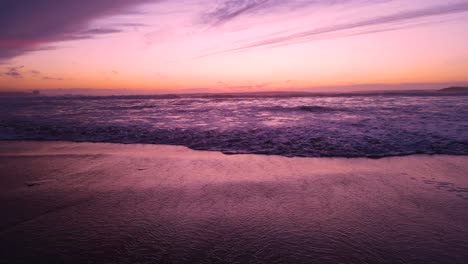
point(355, 126)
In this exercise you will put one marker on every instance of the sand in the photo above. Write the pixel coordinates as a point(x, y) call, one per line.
point(65, 202)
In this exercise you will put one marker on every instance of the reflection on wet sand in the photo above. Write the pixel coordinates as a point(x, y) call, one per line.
point(112, 203)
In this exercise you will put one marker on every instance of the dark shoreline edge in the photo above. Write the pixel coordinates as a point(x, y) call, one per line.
point(231, 153)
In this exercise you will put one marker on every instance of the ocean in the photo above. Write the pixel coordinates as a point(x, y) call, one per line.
point(317, 125)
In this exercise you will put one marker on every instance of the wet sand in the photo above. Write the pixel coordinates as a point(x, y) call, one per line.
point(64, 202)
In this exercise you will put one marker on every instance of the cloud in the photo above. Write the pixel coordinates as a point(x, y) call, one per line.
point(28, 25)
point(99, 31)
point(47, 78)
point(132, 25)
point(34, 72)
point(14, 72)
point(231, 9)
point(21, 72)
point(366, 26)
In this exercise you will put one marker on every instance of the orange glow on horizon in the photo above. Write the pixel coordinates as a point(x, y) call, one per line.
point(161, 49)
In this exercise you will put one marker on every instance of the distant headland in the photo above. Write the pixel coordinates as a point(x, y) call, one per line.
point(455, 89)
point(20, 93)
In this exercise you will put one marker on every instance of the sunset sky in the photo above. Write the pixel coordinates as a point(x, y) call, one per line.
point(231, 45)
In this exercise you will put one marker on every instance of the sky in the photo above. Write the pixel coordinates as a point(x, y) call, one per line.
point(232, 45)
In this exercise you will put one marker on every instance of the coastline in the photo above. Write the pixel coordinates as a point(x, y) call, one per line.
point(119, 203)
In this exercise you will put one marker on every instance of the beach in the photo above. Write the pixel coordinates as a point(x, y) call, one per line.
point(234, 132)
point(65, 202)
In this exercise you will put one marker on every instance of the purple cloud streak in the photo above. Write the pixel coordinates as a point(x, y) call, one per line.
point(366, 26)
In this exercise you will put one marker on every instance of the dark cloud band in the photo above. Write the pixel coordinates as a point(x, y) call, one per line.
point(26, 25)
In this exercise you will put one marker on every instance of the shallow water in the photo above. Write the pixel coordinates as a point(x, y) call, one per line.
point(371, 125)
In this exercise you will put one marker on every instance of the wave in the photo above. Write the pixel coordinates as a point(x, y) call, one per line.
point(291, 141)
point(310, 127)
point(305, 108)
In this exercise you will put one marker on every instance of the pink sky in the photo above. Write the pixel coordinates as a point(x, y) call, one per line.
point(232, 45)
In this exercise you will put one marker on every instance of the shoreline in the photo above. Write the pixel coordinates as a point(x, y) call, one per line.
point(229, 153)
point(141, 203)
